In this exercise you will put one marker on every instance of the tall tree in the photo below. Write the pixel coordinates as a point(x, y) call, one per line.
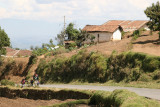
point(153, 13)
point(74, 34)
point(71, 32)
point(4, 41)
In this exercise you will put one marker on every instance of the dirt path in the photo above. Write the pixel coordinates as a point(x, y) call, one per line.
point(21, 102)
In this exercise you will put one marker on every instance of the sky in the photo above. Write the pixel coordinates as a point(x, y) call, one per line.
point(33, 22)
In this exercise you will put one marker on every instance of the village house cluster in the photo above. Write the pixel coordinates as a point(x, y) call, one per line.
point(112, 30)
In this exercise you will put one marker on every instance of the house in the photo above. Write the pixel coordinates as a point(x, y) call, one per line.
point(129, 25)
point(104, 33)
point(15, 53)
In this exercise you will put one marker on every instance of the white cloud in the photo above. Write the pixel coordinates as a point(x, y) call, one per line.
point(74, 9)
point(141, 4)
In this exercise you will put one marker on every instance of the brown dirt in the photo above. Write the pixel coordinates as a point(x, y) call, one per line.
point(21, 102)
point(148, 44)
point(109, 47)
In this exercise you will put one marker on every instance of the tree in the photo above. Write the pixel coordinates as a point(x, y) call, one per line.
point(83, 36)
point(60, 38)
point(4, 41)
point(153, 13)
point(74, 34)
point(71, 32)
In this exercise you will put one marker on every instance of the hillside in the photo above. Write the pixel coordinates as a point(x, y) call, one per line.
point(145, 43)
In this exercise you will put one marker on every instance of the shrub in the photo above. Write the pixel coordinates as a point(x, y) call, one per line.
point(131, 65)
point(7, 82)
point(121, 98)
point(145, 78)
point(33, 59)
point(59, 51)
point(156, 75)
point(136, 34)
point(28, 76)
point(72, 45)
point(83, 67)
point(95, 67)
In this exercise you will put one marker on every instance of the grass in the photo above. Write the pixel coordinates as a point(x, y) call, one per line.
point(71, 103)
point(136, 84)
point(122, 98)
point(5, 82)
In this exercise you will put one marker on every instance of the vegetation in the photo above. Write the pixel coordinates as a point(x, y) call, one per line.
point(152, 13)
point(117, 98)
point(71, 32)
point(43, 94)
point(7, 82)
point(83, 67)
point(4, 41)
point(121, 98)
point(94, 67)
point(137, 33)
point(74, 34)
point(71, 103)
point(32, 60)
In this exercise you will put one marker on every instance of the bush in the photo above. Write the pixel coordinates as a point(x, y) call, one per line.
point(136, 34)
point(131, 65)
point(73, 45)
point(121, 98)
point(7, 82)
point(39, 51)
point(33, 59)
point(59, 51)
point(145, 78)
point(156, 75)
point(94, 67)
point(83, 67)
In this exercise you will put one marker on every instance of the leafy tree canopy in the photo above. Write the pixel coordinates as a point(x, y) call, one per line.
point(74, 34)
point(4, 41)
point(153, 13)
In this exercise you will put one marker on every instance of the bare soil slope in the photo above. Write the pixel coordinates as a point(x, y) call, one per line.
point(21, 102)
point(149, 44)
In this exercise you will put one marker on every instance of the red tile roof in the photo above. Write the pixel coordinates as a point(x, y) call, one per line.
point(12, 52)
point(127, 24)
point(100, 28)
point(24, 53)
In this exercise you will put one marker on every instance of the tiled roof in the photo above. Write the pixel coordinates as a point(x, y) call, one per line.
point(9, 49)
point(12, 52)
point(100, 28)
point(24, 53)
point(127, 24)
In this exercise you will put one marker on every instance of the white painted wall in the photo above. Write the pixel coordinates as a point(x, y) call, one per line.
point(117, 35)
